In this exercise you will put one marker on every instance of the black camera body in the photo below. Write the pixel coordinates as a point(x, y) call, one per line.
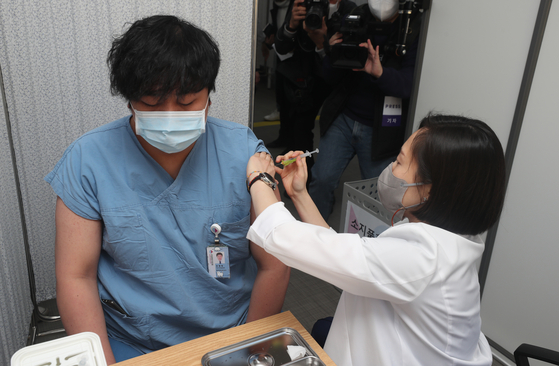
point(359, 25)
point(349, 54)
point(316, 10)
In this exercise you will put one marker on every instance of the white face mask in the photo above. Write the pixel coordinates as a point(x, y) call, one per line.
point(332, 8)
point(170, 131)
point(383, 9)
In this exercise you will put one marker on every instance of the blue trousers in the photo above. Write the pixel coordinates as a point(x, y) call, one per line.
point(321, 329)
point(344, 139)
point(122, 351)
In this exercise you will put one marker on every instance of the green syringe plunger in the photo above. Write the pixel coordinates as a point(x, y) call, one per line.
point(305, 155)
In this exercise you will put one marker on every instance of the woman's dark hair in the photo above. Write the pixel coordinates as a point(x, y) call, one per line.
point(161, 54)
point(463, 161)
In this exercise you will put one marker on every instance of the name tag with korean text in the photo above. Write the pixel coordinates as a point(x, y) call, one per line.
point(218, 261)
point(392, 112)
point(218, 256)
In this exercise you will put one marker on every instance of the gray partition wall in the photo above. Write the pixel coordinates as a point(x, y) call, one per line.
point(520, 302)
point(56, 87)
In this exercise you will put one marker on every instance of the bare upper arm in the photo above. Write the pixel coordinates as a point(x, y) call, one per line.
point(77, 245)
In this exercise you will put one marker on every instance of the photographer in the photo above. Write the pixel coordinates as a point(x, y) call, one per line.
point(300, 47)
point(277, 17)
point(355, 119)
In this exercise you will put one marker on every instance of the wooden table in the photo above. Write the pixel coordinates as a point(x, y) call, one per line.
point(190, 353)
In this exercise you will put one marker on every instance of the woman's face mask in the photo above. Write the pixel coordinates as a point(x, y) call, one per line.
point(393, 182)
point(170, 131)
point(391, 190)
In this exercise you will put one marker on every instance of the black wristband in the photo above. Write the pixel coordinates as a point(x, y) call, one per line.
point(264, 177)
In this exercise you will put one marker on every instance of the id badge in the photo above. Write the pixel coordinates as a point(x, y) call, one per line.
point(218, 261)
point(392, 112)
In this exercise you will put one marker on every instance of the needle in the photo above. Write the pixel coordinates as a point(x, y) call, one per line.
point(305, 155)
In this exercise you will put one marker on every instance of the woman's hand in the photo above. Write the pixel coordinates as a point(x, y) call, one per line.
point(373, 65)
point(293, 176)
point(260, 162)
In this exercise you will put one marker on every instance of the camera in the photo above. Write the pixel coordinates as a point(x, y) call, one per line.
point(348, 54)
point(358, 26)
point(316, 10)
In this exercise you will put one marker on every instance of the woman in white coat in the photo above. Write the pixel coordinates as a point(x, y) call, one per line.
point(411, 295)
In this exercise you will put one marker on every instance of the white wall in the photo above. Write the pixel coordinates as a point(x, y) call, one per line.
point(474, 59)
point(474, 62)
point(521, 298)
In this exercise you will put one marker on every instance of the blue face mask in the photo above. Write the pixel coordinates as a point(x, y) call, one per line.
point(170, 131)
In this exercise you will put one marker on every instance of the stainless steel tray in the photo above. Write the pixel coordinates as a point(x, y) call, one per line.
point(307, 361)
point(268, 349)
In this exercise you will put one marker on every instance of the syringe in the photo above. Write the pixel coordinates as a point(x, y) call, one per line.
point(305, 155)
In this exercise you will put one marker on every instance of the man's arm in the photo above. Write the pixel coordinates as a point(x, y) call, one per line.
point(77, 250)
point(286, 38)
point(271, 282)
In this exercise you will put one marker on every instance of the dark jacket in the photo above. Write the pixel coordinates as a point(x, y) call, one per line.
point(305, 62)
point(361, 96)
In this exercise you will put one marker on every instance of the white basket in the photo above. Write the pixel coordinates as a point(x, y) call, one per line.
point(363, 195)
point(82, 349)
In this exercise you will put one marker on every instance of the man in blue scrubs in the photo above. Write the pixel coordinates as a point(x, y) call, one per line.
point(143, 202)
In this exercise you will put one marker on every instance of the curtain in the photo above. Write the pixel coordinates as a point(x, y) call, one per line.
point(52, 57)
point(15, 302)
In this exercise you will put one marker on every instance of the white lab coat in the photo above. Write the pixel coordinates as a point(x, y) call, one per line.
point(410, 296)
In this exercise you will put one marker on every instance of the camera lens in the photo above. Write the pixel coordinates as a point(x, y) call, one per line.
point(313, 21)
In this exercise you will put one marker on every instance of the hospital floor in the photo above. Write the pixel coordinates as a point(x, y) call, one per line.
point(308, 298)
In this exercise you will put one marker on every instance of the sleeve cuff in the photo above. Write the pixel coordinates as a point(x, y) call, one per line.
point(289, 33)
point(272, 217)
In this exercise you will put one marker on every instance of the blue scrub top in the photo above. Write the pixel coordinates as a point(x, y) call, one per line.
point(156, 230)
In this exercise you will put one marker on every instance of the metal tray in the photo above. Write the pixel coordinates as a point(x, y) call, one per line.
point(307, 361)
point(268, 349)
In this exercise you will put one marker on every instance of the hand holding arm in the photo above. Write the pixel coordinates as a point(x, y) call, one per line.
point(262, 195)
point(261, 162)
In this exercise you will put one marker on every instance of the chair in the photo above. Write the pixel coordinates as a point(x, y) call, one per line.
point(45, 322)
point(45, 318)
point(525, 351)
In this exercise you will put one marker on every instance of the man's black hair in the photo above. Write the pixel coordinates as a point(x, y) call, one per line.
point(463, 161)
point(160, 54)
